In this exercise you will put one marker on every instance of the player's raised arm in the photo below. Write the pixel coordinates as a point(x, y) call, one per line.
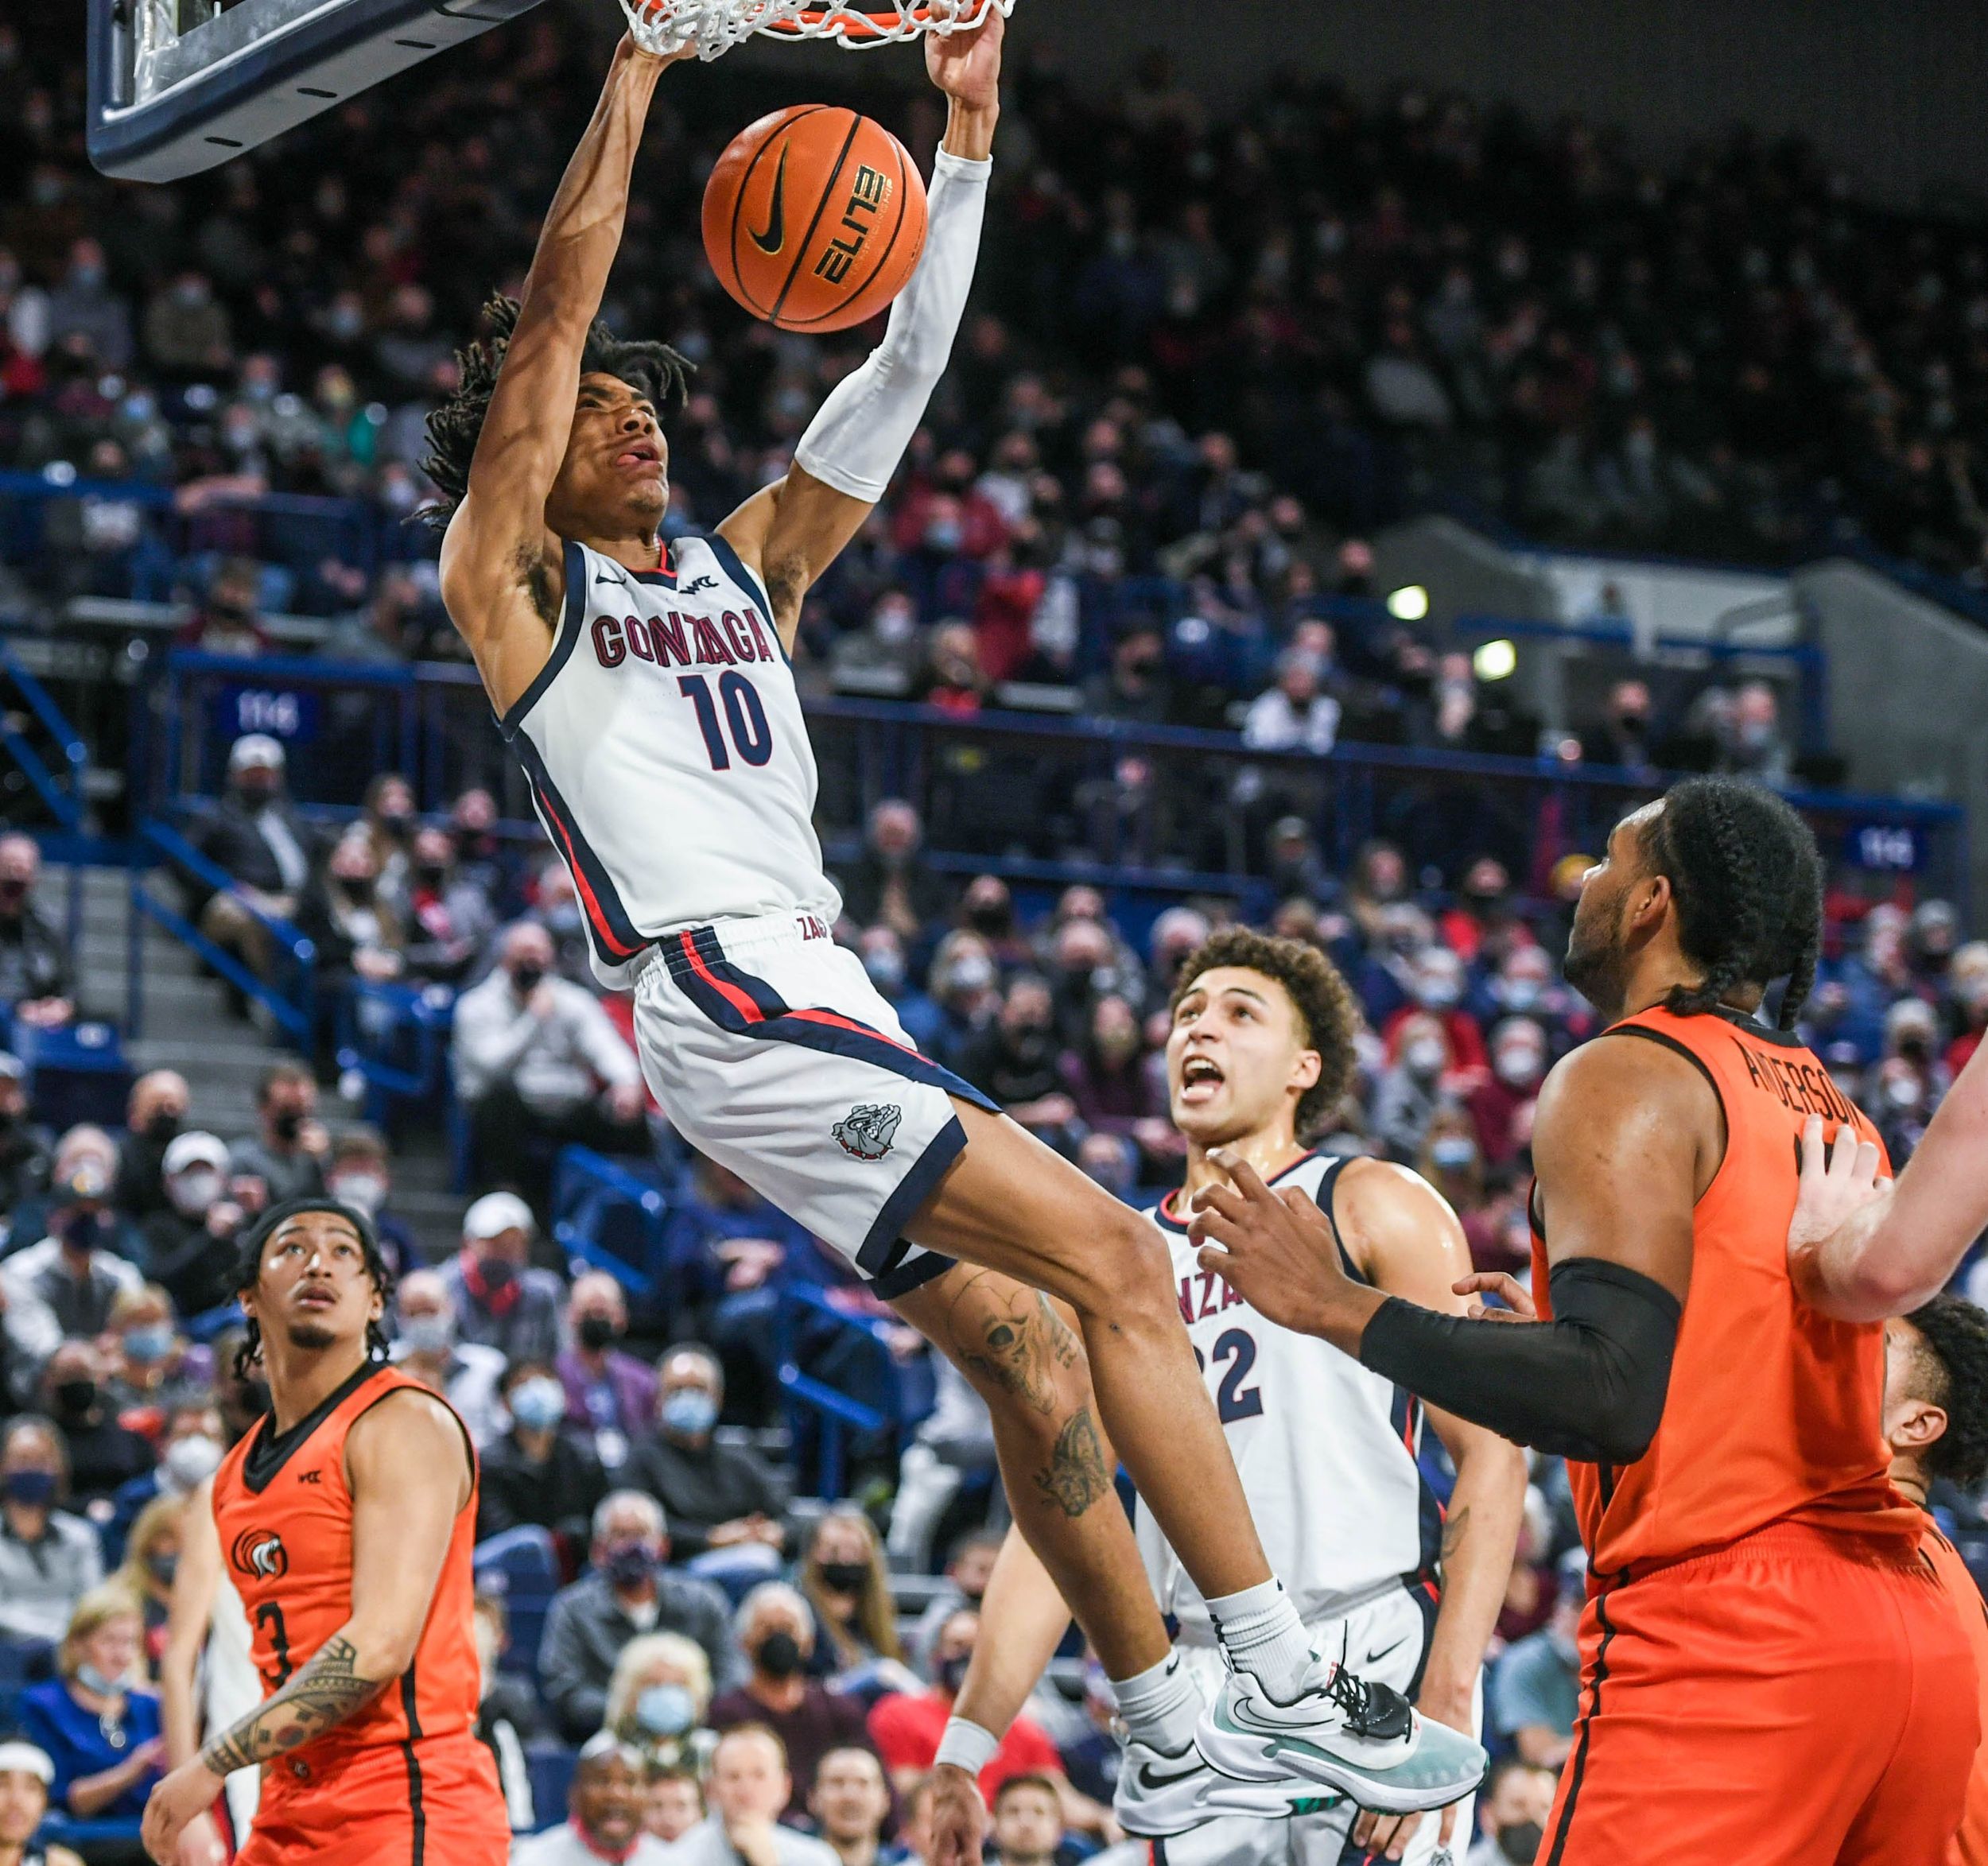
point(501, 570)
point(1862, 1247)
point(793, 530)
point(403, 1520)
point(1591, 1384)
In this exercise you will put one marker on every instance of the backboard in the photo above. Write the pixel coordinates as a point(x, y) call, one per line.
point(178, 86)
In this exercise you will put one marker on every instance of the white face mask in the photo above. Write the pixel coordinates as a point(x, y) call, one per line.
point(191, 1192)
point(367, 1191)
point(1423, 1056)
point(190, 1462)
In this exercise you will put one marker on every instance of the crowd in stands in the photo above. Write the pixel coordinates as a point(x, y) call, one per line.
point(717, 1645)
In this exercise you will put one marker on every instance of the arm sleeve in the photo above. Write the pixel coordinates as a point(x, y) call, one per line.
point(860, 432)
point(1590, 1384)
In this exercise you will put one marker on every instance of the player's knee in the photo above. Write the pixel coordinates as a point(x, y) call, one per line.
point(1126, 1272)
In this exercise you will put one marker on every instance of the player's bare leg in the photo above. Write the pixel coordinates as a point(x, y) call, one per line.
point(1023, 1358)
point(1011, 1204)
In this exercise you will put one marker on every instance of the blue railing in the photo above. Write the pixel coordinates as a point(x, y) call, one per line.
point(834, 1415)
point(290, 998)
point(611, 1218)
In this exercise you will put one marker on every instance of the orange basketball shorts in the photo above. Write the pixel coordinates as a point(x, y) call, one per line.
point(1792, 1700)
point(369, 1808)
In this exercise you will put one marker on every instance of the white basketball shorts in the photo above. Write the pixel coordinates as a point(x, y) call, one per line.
point(772, 1054)
point(1396, 1628)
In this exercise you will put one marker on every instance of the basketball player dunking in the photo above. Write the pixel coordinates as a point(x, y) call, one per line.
point(647, 692)
point(347, 1520)
point(1770, 1672)
point(1261, 1050)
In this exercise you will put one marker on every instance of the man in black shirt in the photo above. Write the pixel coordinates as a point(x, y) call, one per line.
point(540, 1471)
point(103, 1457)
point(1014, 1059)
point(35, 981)
point(718, 1496)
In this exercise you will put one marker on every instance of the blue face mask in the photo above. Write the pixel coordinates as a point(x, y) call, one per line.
point(33, 1490)
point(665, 1710)
point(1452, 1153)
point(689, 1412)
point(538, 1405)
point(629, 1565)
point(149, 1345)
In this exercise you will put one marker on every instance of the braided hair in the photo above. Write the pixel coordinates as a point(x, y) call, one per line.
point(1954, 1335)
point(658, 371)
point(1748, 882)
point(248, 1267)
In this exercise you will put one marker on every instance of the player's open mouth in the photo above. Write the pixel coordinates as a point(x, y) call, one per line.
point(644, 453)
point(1200, 1078)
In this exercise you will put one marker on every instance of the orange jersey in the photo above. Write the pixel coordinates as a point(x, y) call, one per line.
point(1969, 1846)
point(1773, 1411)
point(284, 1509)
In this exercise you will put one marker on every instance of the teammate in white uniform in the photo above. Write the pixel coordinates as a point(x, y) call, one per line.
point(648, 693)
point(1262, 1047)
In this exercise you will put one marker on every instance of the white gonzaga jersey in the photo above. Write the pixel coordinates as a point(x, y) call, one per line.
point(1325, 1448)
point(668, 758)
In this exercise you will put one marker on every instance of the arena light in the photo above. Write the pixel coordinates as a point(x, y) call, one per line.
point(1409, 603)
point(1495, 660)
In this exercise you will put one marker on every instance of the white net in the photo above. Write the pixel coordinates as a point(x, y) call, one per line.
point(712, 27)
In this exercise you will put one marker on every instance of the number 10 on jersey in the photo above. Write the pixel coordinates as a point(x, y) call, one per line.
point(751, 737)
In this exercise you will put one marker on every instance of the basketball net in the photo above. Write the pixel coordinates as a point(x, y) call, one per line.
point(712, 28)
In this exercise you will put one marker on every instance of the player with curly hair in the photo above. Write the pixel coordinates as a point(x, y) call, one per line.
point(346, 1519)
point(1758, 1611)
point(1936, 1424)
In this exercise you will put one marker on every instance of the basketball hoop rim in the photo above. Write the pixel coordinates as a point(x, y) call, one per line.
point(711, 28)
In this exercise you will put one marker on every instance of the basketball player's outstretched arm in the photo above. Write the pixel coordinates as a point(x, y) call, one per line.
point(501, 568)
point(791, 531)
point(1627, 1137)
point(408, 1468)
point(1862, 1246)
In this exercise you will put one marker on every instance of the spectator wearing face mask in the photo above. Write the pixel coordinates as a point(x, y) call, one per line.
point(846, 1583)
point(1296, 713)
point(49, 1559)
point(964, 986)
point(102, 1454)
point(882, 655)
point(610, 1393)
point(388, 820)
point(892, 884)
point(538, 1064)
point(1108, 1079)
point(970, 1565)
point(354, 924)
point(427, 1345)
point(35, 982)
point(189, 1244)
point(628, 1590)
point(1525, 984)
point(26, 1150)
point(1967, 1004)
point(725, 1506)
point(1451, 1160)
point(555, 909)
point(449, 918)
point(1512, 1807)
point(1084, 968)
point(359, 1173)
point(190, 1452)
point(498, 1300)
point(659, 1699)
point(101, 1731)
point(154, 1115)
point(1479, 925)
point(542, 1470)
point(776, 1632)
point(1412, 1087)
point(1502, 1105)
point(881, 951)
point(1436, 984)
point(266, 848)
point(289, 1154)
point(151, 1559)
point(1015, 1059)
point(145, 1357)
point(72, 1273)
point(1135, 687)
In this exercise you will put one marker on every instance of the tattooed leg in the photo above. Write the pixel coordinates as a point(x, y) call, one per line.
point(325, 1691)
point(1023, 1359)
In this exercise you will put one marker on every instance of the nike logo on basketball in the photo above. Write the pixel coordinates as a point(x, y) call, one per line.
point(775, 236)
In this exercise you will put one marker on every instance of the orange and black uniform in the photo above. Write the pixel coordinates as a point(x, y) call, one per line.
point(1770, 1671)
point(404, 1781)
point(1968, 1846)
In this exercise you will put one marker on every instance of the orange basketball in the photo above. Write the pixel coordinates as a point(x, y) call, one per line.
point(813, 218)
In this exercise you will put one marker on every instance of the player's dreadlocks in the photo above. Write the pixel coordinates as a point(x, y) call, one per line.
point(249, 1266)
point(659, 372)
point(1955, 1364)
point(1326, 1008)
point(1749, 887)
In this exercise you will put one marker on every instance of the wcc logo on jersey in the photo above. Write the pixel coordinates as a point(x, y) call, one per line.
point(867, 1132)
point(260, 1552)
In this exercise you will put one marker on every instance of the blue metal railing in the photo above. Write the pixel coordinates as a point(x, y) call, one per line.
point(834, 1413)
point(590, 1191)
point(290, 999)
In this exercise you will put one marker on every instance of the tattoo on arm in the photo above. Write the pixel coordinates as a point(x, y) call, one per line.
point(1076, 1477)
point(1455, 1530)
point(323, 1693)
point(535, 575)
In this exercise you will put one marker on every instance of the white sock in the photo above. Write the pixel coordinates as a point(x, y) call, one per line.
point(1159, 1706)
point(1262, 1635)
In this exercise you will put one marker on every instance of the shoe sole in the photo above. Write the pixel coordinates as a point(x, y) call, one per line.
point(1243, 1755)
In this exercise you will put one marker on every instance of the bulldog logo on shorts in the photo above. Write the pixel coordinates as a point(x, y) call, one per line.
point(867, 1132)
